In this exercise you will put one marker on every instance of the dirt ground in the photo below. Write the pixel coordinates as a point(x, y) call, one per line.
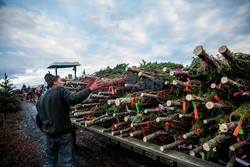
point(16, 148)
point(22, 144)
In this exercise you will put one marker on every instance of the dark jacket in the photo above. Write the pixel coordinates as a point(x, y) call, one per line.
point(54, 107)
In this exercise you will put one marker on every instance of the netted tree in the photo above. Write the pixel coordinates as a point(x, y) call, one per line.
point(9, 103)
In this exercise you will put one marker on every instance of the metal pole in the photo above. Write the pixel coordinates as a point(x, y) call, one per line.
point(56, 70)
point(75, 71)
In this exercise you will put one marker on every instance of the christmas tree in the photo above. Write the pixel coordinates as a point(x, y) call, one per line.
point(8, 99)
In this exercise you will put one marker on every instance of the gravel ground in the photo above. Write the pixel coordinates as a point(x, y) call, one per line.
point(91, 149)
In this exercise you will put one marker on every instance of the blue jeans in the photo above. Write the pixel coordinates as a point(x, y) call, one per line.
point(62, 145)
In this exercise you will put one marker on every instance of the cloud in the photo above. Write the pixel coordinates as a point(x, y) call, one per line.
point(241, 44)
point(32, 30)
point(40, 38)
point(103, 33)
point(2, 3)
point(106, 3)
point(131, 32)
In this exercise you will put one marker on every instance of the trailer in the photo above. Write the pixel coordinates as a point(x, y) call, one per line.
point(170, 157)
point(177, 108)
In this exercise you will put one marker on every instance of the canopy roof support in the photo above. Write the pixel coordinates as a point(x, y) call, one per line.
point(57, 65)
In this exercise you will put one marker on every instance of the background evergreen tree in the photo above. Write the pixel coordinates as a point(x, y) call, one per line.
point(27, 89)
point(9, 103)
point(24, 88)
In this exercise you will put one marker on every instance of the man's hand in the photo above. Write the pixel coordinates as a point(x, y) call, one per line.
point(98, 84)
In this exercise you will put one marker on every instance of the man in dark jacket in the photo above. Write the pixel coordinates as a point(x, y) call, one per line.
point(53, 119)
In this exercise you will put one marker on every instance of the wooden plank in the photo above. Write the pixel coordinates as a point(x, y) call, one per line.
point(115, 141)
point(138, 150)
point(136, 144)
point(180, 165)
point(167, 161)
point(151, 155)
point(125, 145)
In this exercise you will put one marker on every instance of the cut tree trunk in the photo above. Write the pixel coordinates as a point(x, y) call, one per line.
point(94, 121)
point(179, 83)
point(107, 119)
point(149, 95)
point(77, 119)
point(201, 53)
point(76, 111)
point(207, 146)
point(206, 121)
point(127, 118)
point(165, 69)
point(236, 146)
point(125, 130)
point(120, 114)
point(141, 74)
point(212, 105)
point(149, 111)
point(190, 97)
point(167, 83)
point(140, 124)
point(89, 104)
point(170, 146)
point(91, 123)
point(164, 119)
point(225, 80)
point(151, 136)
point(174, 103)
point(120, 124)
point(123, 101)
point(111, 101)
point(193, 85)
point(117, 132)
point(225, 127)
point(196, 151)
point(127, 86)
point(241, 64)
point(214, 86)
point(79, 114)
point(180, 73)
point(136, 133)
point(189, 134)
point(186, 115)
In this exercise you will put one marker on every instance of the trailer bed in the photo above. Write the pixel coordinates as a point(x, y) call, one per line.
point(170, 157)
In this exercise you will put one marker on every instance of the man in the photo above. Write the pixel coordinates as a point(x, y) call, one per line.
point(31, 94)
point(53, 119)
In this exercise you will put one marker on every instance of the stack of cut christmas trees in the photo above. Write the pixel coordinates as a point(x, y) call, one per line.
point(202, 110)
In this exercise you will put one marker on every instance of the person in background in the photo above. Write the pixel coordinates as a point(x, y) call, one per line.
point(38, 91)
point(53, 119)
point(31, 95)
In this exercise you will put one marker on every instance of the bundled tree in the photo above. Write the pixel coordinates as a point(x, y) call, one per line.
point(202, 108)
point(9, 102)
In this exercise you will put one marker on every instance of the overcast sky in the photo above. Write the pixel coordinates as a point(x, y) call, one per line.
point(101, 33)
